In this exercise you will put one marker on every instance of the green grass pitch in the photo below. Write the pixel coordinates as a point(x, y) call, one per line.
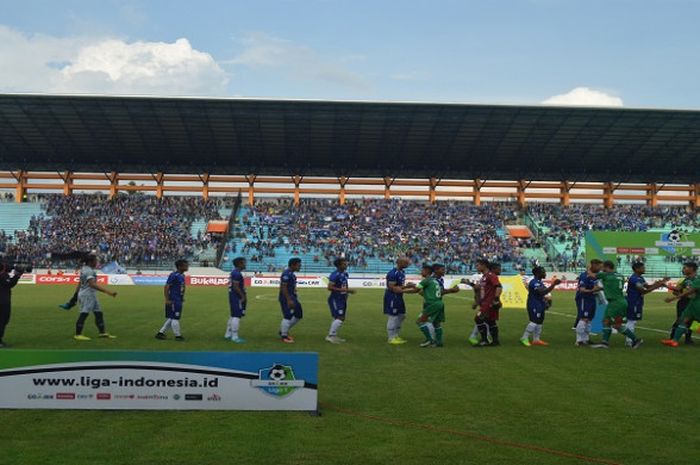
point(381, 404)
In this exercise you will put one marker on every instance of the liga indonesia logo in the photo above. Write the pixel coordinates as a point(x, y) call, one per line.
point(277, 380)
point(674, 242)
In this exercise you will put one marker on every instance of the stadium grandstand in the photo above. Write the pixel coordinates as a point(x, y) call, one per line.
point(145, 180)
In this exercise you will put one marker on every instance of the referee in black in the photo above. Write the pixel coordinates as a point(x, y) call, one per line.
point(7, 282)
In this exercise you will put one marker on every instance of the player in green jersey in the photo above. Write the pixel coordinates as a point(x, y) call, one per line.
point(690, 271)
point(433, 314)
point(613, 286)
point(692, 310)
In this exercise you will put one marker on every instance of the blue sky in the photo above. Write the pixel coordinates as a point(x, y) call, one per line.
point(614, 52)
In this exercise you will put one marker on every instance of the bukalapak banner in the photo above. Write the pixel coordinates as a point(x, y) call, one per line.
point(124, 380)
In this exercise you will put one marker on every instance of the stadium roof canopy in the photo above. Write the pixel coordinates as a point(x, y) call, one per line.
point(334, 138)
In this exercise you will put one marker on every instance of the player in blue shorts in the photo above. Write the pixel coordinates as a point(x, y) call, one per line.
point(586, 301)
point(394, 306)
point(174, 291)
point(292, 312)
point(338, 299)
point(237, 300)
point(637, 287)
point(536, 307)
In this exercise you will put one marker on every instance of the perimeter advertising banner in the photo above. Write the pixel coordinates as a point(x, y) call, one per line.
point(302, 281)
point(514, 292)
point(127, 279)
point(606, 245)
point(124, 380)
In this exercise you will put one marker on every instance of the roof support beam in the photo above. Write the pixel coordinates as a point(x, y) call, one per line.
point(653, 194)
point(205, 185)
point(113, 179)
point(158, 177)
point(608, 199)
point(478, 184)
point(522, 185)
point(250, 179)
point(21, 189)
point(564, 190)
point(431, 189)
point(388, 182)
point(296, 179)
point(342, 181)
point(67, 177)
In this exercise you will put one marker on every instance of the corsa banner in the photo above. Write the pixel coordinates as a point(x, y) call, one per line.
point(65, 279)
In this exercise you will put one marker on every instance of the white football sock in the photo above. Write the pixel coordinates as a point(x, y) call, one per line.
point(431, 330)
point(399, 323)
point(589, 325)
point(391, 323)
point(529, 330)
point(166, 326)
point(335, 326)
point(293, 322)
point(176, 327)
point(631, 325)
point(233, 327)
point(475, 332)
point(227, 335)
point(284, 327)
point(538, 333)
point(581, 335)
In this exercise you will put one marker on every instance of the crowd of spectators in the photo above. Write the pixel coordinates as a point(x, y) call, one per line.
point(134, 230)
point(567, 226)
point(142, 230)
point(564, 222)
point(454, 233)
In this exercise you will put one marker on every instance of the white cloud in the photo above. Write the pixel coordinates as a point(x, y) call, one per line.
point(42, 63)
point(585, 96)
point(296, 61)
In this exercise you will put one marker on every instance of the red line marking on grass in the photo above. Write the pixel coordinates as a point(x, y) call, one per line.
point(467, 434)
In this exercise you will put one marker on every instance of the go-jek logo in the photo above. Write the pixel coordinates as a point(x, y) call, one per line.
point(277, 380)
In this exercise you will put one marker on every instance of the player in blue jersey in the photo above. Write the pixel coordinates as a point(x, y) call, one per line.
point(292, 312)
point(536, 307)
point(637, 287)
point(338, 299)
point(394, 306)
point(588, 288)
point(237, 300)
point(174, 291)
